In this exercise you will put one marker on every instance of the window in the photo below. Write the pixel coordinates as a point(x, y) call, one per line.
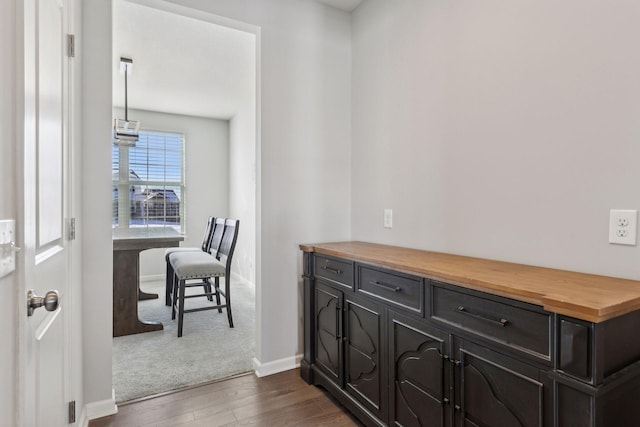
point(148, 181)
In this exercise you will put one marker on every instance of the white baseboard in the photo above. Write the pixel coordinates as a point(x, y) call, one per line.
point(161, 278)
point(276, 366)
point(101, 408)
point(152, 278)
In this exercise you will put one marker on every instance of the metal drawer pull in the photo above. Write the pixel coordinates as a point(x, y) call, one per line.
point(333, 270)
point(386, 286)
point(495, 321)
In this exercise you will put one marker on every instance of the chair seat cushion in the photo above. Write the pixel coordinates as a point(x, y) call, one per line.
point(169, 251)
point(196, 265)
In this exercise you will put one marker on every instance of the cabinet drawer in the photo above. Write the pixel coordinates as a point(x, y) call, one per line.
point(336, 270)
point(399, 289)
point(508, 322)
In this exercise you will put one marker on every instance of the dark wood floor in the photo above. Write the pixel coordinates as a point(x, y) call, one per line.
point(276, 400)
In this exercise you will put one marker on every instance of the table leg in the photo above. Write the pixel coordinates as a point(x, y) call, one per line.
point(142, 295)
point(125, 295)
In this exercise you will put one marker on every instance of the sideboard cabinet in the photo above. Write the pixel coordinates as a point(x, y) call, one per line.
point(413, 338)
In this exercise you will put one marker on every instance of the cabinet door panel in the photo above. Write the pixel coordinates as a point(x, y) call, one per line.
point(498, 391)
point(363, 354)
point(418, 370)
point(328, 347)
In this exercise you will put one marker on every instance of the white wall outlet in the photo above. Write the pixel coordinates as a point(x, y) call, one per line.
point(622, 226)
point(388, 218)
point(7, 247)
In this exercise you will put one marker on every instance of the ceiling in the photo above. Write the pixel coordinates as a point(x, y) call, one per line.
point(347, 5)
point(181, 65)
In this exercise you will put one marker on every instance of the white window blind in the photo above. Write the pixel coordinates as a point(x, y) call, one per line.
point(148, 181)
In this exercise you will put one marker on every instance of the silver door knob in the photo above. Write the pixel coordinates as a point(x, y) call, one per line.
point(49, 301)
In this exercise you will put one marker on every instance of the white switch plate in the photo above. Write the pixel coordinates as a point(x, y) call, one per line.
point(622, 226)
point(7, 252)
point(388, 218)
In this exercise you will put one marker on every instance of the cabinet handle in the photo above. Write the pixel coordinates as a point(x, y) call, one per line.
point(333, 270)
point(386, 286)
point(494, 321)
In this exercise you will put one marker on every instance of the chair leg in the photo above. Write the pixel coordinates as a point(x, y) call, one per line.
point(181, 307)
point(168, 284)
point(174, 296)
point(227, 298)
point(217, 286)
point(207, 289)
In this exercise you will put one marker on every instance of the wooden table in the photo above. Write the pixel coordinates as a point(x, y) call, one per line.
point(127, 245)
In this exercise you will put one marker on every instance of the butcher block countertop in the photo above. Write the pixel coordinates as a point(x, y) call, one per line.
point(583, 296)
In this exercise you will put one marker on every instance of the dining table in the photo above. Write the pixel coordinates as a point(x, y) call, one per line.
point(128, 243)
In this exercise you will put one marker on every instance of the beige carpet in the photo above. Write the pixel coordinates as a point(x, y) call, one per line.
point(155, 362)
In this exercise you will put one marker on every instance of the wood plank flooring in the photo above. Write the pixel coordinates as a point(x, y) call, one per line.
point(276, 400)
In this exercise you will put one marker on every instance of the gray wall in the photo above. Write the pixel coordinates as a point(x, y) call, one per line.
point(242, 183)
point(498, 129)
point(9, 283)
point(306, 109)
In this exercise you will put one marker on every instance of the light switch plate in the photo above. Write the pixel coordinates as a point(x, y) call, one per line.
point(7, 250)
point(388, 218)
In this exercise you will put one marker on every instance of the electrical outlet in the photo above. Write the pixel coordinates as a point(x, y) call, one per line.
point(388, 218)
point(622, 226)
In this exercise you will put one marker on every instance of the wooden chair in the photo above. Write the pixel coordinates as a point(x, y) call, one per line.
point(206, 268)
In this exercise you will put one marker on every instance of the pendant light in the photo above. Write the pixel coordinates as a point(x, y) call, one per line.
point(125, 131)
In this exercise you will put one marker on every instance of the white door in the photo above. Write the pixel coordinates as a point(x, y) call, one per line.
point(43, 183)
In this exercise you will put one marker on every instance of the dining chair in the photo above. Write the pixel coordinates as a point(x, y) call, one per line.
point(208, 240)
point(205, 267)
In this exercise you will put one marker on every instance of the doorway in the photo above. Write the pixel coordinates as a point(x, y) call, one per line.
point(194, 77)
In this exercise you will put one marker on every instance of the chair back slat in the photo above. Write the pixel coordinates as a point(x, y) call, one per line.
point(216, 237)
point(225, 253)
point(208, 232)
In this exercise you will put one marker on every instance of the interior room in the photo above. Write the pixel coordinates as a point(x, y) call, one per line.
point(196, 79)
point(499, 136)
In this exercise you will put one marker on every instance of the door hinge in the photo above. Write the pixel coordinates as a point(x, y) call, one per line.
point(72, 412)
point(72, 229)
point(71, 45)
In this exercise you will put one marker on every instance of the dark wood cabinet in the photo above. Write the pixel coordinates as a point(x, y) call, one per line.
point(419, 372)
point(497, 390)
point(328, 335)
point(364, 373)
point(406, 349)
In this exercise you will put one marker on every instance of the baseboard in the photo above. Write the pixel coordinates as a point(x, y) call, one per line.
point(276, 366)
point(102, 408)
point(161, 278)
point(152, 278)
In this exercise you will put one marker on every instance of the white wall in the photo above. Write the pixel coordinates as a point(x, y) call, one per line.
point(95, 224)
point(496, 129)
point(8, 284)
point(304, 172)
point(206, 180)
point(242, 184)
point(305, 153)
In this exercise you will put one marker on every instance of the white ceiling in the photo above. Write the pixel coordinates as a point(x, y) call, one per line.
point(347, 5)
point(181, 65)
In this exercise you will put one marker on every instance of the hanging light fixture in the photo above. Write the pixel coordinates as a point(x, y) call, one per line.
point(125, 131)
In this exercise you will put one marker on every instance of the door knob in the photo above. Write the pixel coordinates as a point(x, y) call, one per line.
point(49, 301)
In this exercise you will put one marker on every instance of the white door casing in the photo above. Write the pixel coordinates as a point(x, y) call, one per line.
point(43, 171)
